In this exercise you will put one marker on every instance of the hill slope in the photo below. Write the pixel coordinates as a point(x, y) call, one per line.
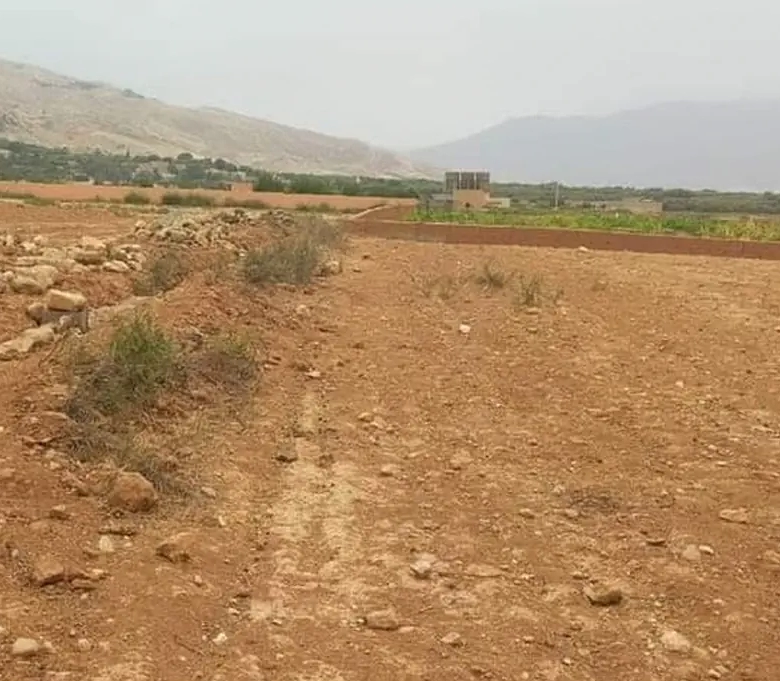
point(53, 110)
point(724, 145)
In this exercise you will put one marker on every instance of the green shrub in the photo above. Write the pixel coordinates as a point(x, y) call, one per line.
point(296, 259)
point(141, 360)
point(161, 274)
point(137, 199)
point(194, 200)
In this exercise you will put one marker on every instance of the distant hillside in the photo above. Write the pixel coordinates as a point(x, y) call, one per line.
point(52, 110)
point(716, 145)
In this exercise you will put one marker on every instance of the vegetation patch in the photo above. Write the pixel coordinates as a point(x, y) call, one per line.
point(187, 199)
point(295, 259)
point(137, 199)
point(753, 229)
point(120, 390)
point(492, 278)
point(162, 274)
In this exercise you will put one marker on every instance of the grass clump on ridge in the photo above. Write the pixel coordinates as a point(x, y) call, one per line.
point(295, 259)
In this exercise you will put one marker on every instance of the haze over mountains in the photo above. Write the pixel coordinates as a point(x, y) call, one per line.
point(715, 145)
point(53, 110)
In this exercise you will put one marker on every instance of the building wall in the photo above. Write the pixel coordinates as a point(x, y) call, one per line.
point(470, 198)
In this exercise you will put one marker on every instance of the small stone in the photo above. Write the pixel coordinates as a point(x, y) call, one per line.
point(464, 329)
point(383, 620)
point(707, 550)
point(209, 492)
point(714, 674)
point(175, 549)
point(460, 460)
point(422, 567)
point(691, 553)
point(675, 642)
point(738, 516)
point(7, 474)
point(452, 639)
point(48, 570)
point(25, 647)
point(84, 645)
point(389, 470)
point(59, 513)
point(526, 513)
point(106, 545)
point(287, 453)
point(220, 639)
point(132, 492)
point(603, 596)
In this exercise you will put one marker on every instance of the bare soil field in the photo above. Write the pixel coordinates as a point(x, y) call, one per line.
point(89, 192)
point(458, 462)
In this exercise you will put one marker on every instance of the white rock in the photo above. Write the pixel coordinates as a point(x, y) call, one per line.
point(65, 301)
point(465, 329)
point(675, 642)
point(25, 647)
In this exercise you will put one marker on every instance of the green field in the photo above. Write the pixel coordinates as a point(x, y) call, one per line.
point(745, 228)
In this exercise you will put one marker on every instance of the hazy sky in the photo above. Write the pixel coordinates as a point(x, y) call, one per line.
point(405, 73)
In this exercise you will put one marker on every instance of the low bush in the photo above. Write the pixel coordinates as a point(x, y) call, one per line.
point(194, 200)
point(162, 274)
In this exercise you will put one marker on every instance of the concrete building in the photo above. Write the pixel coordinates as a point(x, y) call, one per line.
point(466, 190)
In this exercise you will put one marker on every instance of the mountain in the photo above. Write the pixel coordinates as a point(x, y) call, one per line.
point(715, 145)
point(53, 110)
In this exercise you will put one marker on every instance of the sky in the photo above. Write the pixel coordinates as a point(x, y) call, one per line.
point(405, 73)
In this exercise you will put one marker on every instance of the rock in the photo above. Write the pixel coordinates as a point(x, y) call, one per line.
point(116, 266)
point(65, 301)
point(674, 642)
point(691, 553)
point(59, 513)
point(603, 596)
point(738, 515)
point(383, 620)
point(331, 267)
point(464, 329)
point(483, 571)
point(34, 280)
point(106, 545)
point(175, 549)
point(88, 256)
point(48, 570)
point(526, 513)
point(132, 492)
point(389, 470)
point(452, 639)
point(209, 492)
point(287, 453)
point(84, 645)
point(25, 647)
point(423, 566)
point(7, 474)
point(220, 639)
point(460, 460)
point(93, 243)
point(24, 343)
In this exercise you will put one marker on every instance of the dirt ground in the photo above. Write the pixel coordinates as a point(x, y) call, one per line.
point(473, 464)
point(88, 192)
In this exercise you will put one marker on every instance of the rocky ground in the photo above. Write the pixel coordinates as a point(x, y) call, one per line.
point(456, 463)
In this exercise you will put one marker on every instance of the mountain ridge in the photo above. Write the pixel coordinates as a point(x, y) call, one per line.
point(47, 108)
point(721, 145)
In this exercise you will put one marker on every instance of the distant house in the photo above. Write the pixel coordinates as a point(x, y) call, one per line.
point(466, 190)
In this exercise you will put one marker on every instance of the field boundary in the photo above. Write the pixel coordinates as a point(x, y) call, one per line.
point(564, 238)
point(78, 192)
